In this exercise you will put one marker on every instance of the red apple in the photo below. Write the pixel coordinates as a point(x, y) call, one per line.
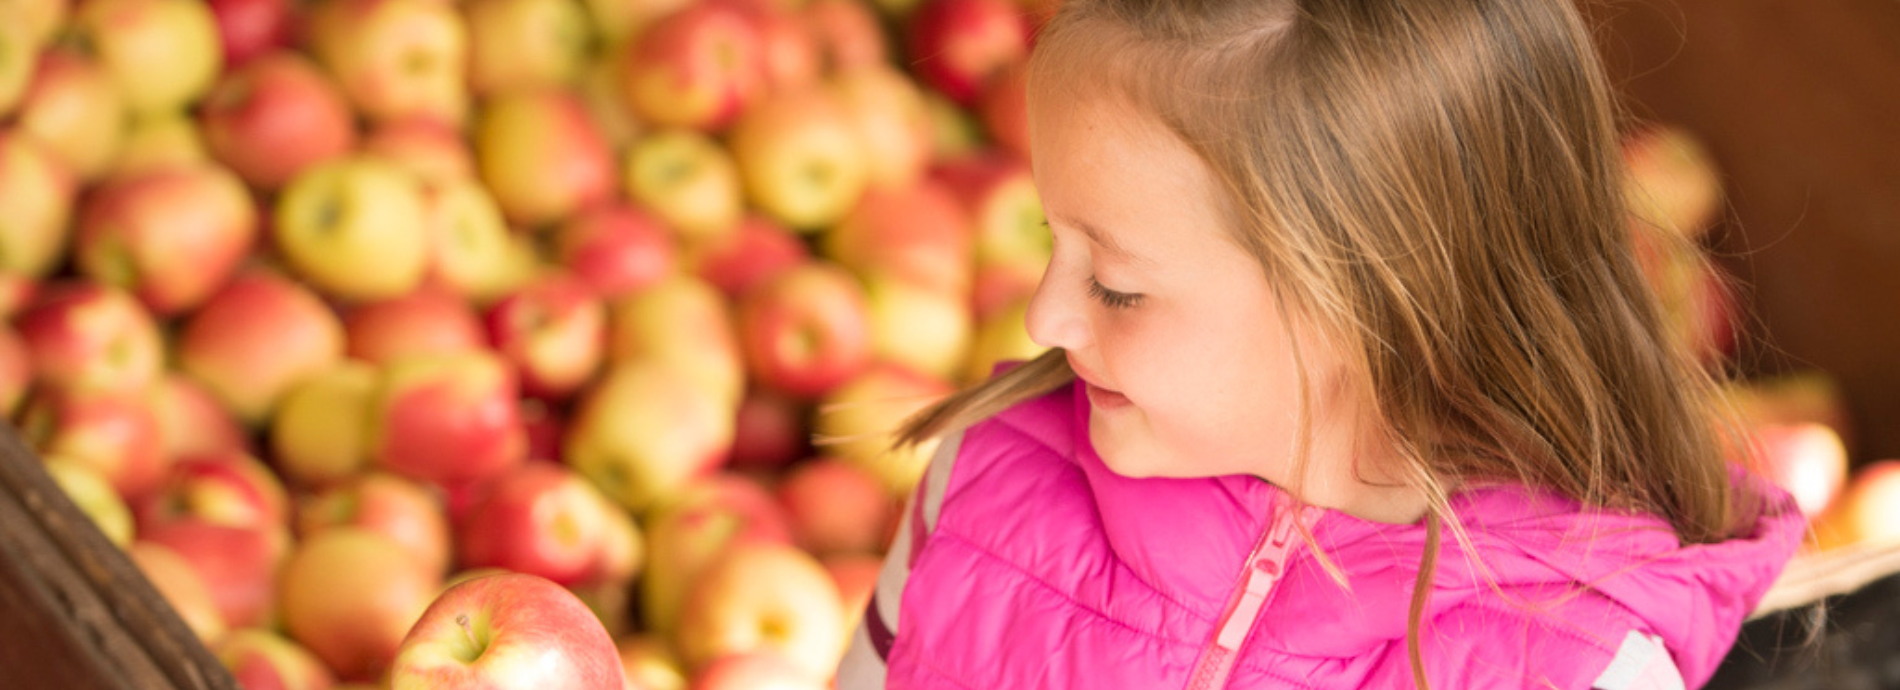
point(395, 59)
point(429, 149)
point(856, 576)
point(686, 179)
point(1001, 286)
point(16, 370)
point(888, 113)
point(836, 507)
point(691, 527)
point(318, 431)
point(757, 670)
point(16, 292)
point(275, 116)
point(425, 322)
point(447, 419)
point(698, 67)
point(787, 49)
point(541, 155)
point(540, 519)
point(164, 54)
point(38, 192)
point(74, 109)
point(847, 34)
point(231, 489)
point(865, 413)
point(752, 253)
point(681, 323)
point(507, 632)
point(801, 158)
point(617, 249)
point(114, 434)
point(354, 227)
point(404, 511)
point(1806, 460)
point(1673, 182)
point(958, 46)
point(918, 233)
point(546, 426)
point(88, 337)
point(171, 237)
point(350, 596)
point(259, 658)
point(239, 565)
point(256, 338)
point(517, 44)
point(764, 597)
point(250, 28)
point(191, 421)
point(553, 331)
point(1004, 109)
point(806, 331)
point(182, 587)
point(768, 431)
point(647, 429)
point(1000, 197)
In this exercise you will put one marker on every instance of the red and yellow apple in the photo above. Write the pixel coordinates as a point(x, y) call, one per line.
point(255, 338)
point(553, 332)
point(182, 587)
point(836, 507)
point(260, 658)
point(806, 330)
point(863, 415)
point(681, 323)
point(918, 233)
point(541, 155)
point(425, 322)
point(801, 158)
point(275, 116)
point(691, 527)
point(88, 337)
point(646, 429)
point(754, 251)
point(38, 190)
point(113, 434)
point(191, 421)
point(698, 67)
point(351, 596)
point(449, 420)
point(170, 237)
point(764, 597)
point(394, 59)
point(515, 44)
point(318, 431)
point(163, 54)
point(894, 128)
point(617, 249)
point(507, 632)
point(686, 179)
point(74, 109)
point(544, 520)
point(403, 511)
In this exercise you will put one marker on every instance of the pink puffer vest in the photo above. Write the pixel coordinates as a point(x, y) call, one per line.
point(1047, 570)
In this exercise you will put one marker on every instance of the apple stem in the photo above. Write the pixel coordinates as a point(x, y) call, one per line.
point(467, 630)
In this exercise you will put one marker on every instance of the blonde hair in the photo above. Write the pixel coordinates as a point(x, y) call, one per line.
point(1435, 185)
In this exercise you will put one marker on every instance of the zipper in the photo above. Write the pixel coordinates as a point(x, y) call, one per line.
point(1263, 569)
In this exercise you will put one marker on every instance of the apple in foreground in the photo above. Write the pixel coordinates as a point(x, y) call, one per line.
point(507, 632)
point(765, 597)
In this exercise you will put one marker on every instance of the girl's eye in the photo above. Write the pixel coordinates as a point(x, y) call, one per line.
point(1110, 298)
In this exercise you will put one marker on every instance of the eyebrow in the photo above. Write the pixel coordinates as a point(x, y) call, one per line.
point(1103, 240)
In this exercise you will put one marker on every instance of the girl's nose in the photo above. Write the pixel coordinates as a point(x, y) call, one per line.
point(1057, 315)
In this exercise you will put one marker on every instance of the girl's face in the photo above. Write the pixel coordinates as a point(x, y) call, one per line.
point(1170, 323)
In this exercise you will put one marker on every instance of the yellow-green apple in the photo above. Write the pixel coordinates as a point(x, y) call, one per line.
point(354, 227)
point(754, 251)
point(1004, 109)
point(862, 416)
point(917, 327)
point(275, 116)
point(249, 28)
point(541, 519)
point(646, 429)
point(801, 158)
point(847, 34)
point(163, 54)
point(764, 597)
point(541, 155)
point(1672, 182)
point(318, 431)
point(114, 434)
point(191, 421)
point(182, 587)
point(698, 67)
point(954, 131)
point(686, 179)
point(350, 596)
point(38, 192)
point(394, 58)
point(472, 252)
point(692, 527)
point(261, 658)
point(769, 430)
point(1000, 197)
point(855, 574)
point(255, 338)
point(787, 49)
point(806, 330)
point(427, 321)
point(405, 511)
point(617, 21)
point(888, 113)
point(1002, 337)
point(836, 507)
point(95, 497)
point(1807, 460)
point(917, 233)
point(1864, 513)
point(159, 141)
point(507, 632)
point(553, 332)
point(239, 565)
point(758, 670)
point(171, 237)
point(432, 151)
point(448, 420)
point(958, 46)
point(516, 44)
point(19, 56)
point(16, 369)
point(683, 324)
point(650, 664)
point(618, 249)
point(88, 337)
point(74, 108)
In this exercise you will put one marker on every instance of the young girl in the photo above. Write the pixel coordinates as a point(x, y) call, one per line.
point(1355, 382)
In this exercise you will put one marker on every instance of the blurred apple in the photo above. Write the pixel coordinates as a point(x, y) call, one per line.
point(19, 57)
point(768, 431)
point(260, 658)
point(74, 109)
point(836, 507)
point(806, 330)
point(618, 21)
point(427, 321)
point(95, 497)
point(856, 575)
point(1807, 460)
point(649, 664)
point(255, 338)
point(541, 155)
point(683, 324)
point(617, 249)
point(1003, 285)
point(317, 433)
point(182, 587)
point(861, 417)
point(472, 251)
point(788, 51)
point(693, 526)
point(163, 54)
point(154, 142)
point(553, 331)
point(800, 158)
point(447, 419)
point(516, 44)
point(38, 192)
point(401, 510)
point(758, 670)
point(918, 233)
point(394, 58)
point(250, 28)
point(88, 337)
point(1673, 183)
point(1004, 109)
point(1865, 512)
point(546, 427)
point(432, 151)
point(16, 370)
point(847, 34)
point(954, 131)
point(238, 565)
point(350, 596)
point(540, 519)
point(764, 597)
point(17, 290)
point(1803, 396)
point(274, 117)
point(507, 632)
point(1003, 337)
point(926, 330)
point(230, 489)
point(686, 179)
point(171, 237)
point(959, 46)
point(894, 128)
point(999, 196)
point(191, 421)
point(698, 67)
point(647, 429)
point(354, 227)
point(753, 252)
point(113, 434)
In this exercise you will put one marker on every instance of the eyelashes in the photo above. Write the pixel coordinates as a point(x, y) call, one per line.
point(1110, 298)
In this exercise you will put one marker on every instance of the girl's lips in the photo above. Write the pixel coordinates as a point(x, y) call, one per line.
point(1103, 399)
